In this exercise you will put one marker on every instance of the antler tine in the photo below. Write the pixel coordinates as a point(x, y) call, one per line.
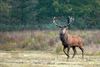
point(55, 22)
point(70, 20)
point(68, 23)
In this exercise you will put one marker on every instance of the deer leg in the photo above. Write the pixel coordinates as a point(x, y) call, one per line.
point(65, 52)
point(74, 49)
point(82, 51)
point(68, 49)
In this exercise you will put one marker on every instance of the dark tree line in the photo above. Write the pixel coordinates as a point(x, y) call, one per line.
point(37, 14)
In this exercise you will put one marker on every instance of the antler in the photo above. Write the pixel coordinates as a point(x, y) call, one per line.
point(54, 21)
point(70, 20)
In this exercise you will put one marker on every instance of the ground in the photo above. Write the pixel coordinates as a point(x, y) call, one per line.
point(45, 59)
point(44, 49)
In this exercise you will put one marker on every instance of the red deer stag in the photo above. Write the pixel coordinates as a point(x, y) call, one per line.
point(69, 41)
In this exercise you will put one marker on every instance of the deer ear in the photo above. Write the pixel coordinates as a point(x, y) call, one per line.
point(60, 26)
point(67, 27)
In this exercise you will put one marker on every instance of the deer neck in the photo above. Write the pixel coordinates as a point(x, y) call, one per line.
point(64, 35)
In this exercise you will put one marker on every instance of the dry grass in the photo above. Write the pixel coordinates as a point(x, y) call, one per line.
point(44, 49)
point(45, 59)
point(47, 40)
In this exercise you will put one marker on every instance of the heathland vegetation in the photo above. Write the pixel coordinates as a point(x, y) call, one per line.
point(28, 38)
point(47, 40)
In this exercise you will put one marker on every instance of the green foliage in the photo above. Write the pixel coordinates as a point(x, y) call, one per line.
point(37, 14)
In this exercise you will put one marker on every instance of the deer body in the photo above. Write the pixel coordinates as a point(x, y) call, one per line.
point(70, 41)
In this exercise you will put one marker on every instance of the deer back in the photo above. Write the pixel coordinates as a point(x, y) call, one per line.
point(74, 40)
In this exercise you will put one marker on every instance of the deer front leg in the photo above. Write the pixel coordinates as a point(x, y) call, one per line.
point(67, 54)
point(74, 49)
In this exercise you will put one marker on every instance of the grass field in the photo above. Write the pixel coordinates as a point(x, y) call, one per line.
point(45, 59)
point(44, 49)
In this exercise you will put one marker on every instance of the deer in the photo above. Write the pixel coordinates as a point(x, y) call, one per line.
point(68, 40)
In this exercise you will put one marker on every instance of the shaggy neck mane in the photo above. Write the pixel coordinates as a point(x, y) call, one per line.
point(64, 35)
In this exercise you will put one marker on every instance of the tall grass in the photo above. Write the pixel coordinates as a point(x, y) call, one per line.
point(45, 40)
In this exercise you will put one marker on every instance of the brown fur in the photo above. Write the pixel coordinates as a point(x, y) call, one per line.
point(71, 41)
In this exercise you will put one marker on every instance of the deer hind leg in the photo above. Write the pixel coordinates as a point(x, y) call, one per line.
point(74, 49)
point(82, 51)
point(67, 54)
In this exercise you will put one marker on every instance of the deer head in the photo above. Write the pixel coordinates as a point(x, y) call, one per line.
point(64, 28)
